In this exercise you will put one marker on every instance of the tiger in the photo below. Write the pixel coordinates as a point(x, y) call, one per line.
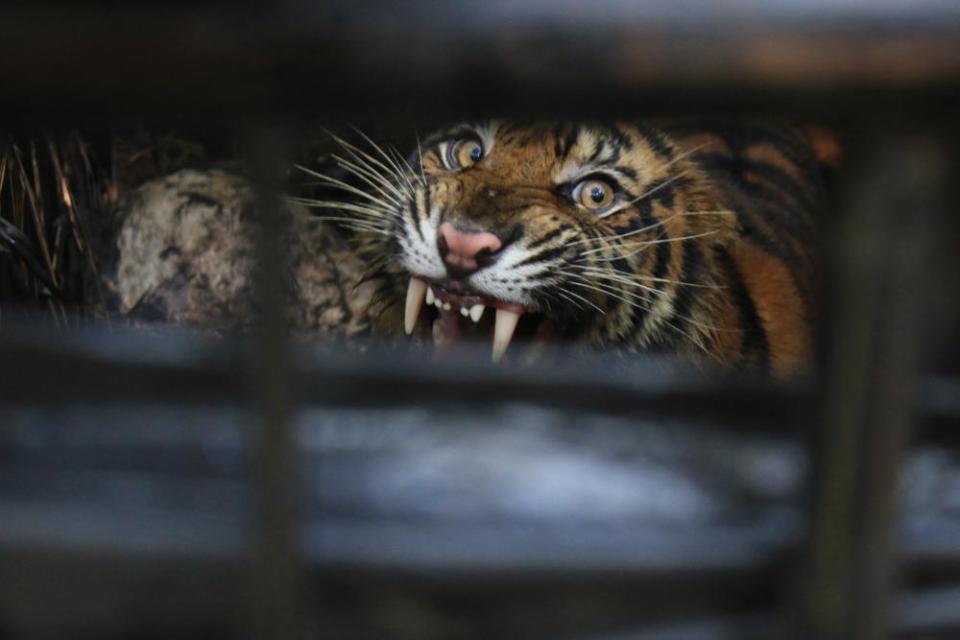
point(696, 239)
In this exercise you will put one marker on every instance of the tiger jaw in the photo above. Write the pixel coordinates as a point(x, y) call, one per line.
point(457, 308)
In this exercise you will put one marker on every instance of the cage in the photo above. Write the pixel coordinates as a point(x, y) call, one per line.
point(160, 482)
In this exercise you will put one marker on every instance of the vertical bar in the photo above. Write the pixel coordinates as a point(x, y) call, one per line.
point(870, 374)
point(278, 569)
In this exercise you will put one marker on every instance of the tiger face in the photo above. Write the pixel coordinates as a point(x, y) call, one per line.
point(600, 235)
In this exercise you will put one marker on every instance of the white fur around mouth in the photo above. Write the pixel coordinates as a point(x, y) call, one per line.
point(466, 304)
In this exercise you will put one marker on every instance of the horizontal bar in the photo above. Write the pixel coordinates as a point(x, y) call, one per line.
point(349, 59)
point(110, 365)
point(431, 489)
point(104, 366)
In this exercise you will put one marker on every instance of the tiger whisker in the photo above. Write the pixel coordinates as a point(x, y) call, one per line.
point(684, 155)
point(359, 154)
point(410, 170)
point(658, 223)
point(368, 160)
point(609, 288)
point(371, 213)
point(377, 181)
point(372, 161)
point(352, 220)
point(423, 174)
point(625, 281)
point(562, 293)
point(615, 237)
point(631, 279)
point(646, 194)
point(380, 150)
point(379, 211)
point(561, 289)
point(646, 244)
point(391, 178)
point(634, 301)
point(355, 227)
point(340, 184)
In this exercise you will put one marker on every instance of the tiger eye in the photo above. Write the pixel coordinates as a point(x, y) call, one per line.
point(465, 153)
point(594, 194)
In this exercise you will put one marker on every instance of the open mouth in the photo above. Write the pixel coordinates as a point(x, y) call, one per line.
point(453, 313)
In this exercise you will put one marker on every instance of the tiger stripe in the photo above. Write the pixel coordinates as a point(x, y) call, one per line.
point(709, 251)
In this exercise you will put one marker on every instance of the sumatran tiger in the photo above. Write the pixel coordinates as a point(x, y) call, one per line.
point(695, 239)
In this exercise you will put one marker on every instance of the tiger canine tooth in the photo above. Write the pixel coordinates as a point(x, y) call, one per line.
point(464, 312)
point(430, 296)
point(415, 294)
point(476, 311)
point(503, 329)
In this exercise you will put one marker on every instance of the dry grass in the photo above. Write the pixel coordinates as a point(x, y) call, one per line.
point(58, 195)
point(50, 189)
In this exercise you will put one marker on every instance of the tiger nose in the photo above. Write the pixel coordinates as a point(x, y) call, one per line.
point(465, 252)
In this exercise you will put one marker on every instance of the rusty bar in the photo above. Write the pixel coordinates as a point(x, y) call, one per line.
point(347, 59)
point(870, 381)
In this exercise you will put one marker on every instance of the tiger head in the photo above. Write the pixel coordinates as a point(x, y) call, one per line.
point(601, 235)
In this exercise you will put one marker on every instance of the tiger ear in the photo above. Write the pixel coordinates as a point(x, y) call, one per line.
point(827, 145)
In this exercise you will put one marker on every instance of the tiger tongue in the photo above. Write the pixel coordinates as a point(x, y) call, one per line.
point(448, 329)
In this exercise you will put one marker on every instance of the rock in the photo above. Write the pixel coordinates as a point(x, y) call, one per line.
point(185, 253)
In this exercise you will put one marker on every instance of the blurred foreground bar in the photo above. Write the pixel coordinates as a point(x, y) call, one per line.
point(875, 312)
point(217, 64)
point(424, 513)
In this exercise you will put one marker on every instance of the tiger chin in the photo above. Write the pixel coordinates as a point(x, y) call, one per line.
point(689, 238)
